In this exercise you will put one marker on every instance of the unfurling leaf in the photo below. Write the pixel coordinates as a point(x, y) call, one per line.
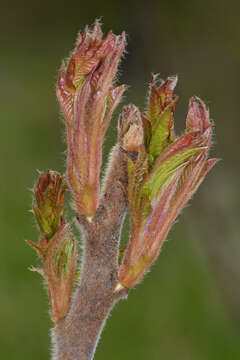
point(161, 105)
point(130, 129)
point(59, 271)
point(48, 207)
point(166, 174)
point(56, 247)
point(88, 98)
point(59, 256)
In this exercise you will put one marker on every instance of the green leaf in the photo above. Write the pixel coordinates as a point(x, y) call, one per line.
point(160, 175)
point(160, 133)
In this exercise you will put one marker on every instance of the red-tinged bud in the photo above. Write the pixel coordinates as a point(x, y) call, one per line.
point(158, 120)
point(59, 256)
point(48, 209)
point(139, 254)
point(198, 116)
point(198, 120)
point(133, 139)
point(130, 129)
point(160, 96)
point(159, 187)
point(56, 247)
point(59, 271)
point(88, 98)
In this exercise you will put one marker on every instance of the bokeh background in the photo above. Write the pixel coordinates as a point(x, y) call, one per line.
point(188, 307)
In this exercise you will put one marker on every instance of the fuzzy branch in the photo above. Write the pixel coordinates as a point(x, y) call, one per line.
point(151, 171)
point(76, 335)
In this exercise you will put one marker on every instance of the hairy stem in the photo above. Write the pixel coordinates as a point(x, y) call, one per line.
point(75, 337)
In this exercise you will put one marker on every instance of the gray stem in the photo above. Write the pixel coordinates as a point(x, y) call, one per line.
point(75, 337)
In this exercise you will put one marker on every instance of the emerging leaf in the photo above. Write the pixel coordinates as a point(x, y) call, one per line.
point(88, 98)
point(59, 271)
point(130, 129)
point(49, 195)
point(166, 174)
point(161, 105)
point(59, 257)
point(56, 247)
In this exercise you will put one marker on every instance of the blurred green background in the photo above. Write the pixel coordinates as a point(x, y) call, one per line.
point(188, 307)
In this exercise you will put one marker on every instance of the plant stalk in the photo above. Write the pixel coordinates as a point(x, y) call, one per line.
point(75, 337)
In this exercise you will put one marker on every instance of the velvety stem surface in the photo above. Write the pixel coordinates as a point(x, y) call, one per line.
point(75, 337)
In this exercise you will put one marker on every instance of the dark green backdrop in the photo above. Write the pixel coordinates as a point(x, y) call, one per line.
point(188, 306)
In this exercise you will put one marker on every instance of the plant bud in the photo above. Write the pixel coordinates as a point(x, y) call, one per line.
point(49, 195)
point(88, 98)
point(130, 129)
point(167, 173)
